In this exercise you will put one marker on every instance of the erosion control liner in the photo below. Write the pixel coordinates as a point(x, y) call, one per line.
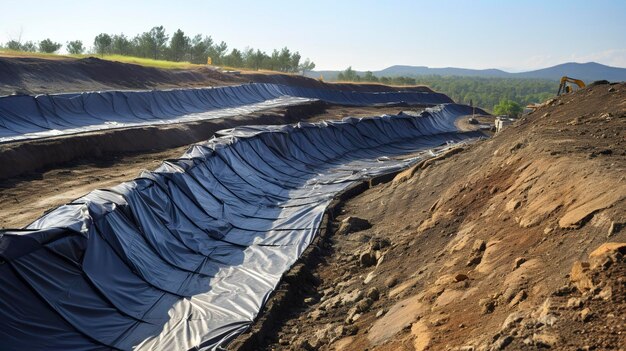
point(185, 257)
point(28, 117)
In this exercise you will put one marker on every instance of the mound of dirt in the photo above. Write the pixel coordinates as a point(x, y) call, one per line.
point(516, 242)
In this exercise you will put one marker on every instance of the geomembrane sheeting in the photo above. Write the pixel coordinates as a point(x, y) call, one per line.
point(184, 257)
point(28, 117)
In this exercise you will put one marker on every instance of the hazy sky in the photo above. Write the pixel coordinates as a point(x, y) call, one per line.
point(367, 34)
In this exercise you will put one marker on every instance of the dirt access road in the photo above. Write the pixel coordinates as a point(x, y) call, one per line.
point(515, 243)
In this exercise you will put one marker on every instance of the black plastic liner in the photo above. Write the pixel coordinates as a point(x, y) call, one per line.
point(27, 117)
point(184, 257)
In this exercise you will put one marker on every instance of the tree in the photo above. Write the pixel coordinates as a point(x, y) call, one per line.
point(307, 65)
point(158, 39)
point(348, 75)
point(272, 62)
point(14, 45)
point(144, 45)
point(49, 46)
point(507, 107)
point(247, 54)
point(29, 46)
point(260, 59)
point(121, 45)
point(179, 45)
point(102, 43)
point(253, 59)
point(370, 77)
point(284, 60)
point(234, 59)
point(217, 52)
point(200, 48)
point(294, 62)
point(75, 47)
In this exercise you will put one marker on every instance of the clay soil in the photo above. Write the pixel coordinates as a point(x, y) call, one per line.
point(514, 243)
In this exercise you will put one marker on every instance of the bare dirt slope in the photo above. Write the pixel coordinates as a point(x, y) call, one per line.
point(515, 243)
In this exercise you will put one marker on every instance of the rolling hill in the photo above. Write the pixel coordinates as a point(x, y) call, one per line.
point(589, 71)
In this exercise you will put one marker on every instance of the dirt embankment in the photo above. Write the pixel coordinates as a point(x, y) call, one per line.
point(515, 243)
point(28, 75)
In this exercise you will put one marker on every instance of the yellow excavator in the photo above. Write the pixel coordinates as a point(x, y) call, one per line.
point(564, 88)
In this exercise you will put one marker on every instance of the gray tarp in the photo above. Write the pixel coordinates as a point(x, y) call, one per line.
point(29, 117)
point(185, 257)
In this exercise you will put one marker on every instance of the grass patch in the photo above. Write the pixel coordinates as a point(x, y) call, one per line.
point(149, 62)
point(118, 58)
point(142, 61)
point(13, 53)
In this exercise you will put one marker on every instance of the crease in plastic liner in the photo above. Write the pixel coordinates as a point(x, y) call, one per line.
point(30, 117)
point(184, 257)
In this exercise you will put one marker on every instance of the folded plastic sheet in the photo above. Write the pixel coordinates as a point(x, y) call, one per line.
point(184, 257)
point(28, 117)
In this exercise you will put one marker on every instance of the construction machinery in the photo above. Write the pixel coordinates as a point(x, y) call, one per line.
point(564, 88)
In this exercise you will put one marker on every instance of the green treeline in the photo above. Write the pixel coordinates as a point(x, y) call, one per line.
point(178, 47)
point(482, 92)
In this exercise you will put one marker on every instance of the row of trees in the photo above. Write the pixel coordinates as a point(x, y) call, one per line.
point(157, 44)
point(46, 46)
point(483, 92)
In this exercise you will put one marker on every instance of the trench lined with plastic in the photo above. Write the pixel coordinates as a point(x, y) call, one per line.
point(29, 117)
point(185, 256)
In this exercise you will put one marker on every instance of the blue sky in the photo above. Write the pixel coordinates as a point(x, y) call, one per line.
point(366, 34)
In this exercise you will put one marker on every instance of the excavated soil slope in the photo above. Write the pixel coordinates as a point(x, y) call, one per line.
point(515, 243)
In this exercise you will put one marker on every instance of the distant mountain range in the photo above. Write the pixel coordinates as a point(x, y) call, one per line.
point(587, 72)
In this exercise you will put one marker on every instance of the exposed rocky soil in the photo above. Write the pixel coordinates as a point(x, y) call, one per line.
point(513, 243)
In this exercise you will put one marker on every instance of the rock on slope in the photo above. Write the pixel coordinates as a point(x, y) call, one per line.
point(491, 248)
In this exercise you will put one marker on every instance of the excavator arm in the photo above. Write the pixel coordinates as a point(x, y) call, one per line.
point(563, 86)
point(563, 89)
